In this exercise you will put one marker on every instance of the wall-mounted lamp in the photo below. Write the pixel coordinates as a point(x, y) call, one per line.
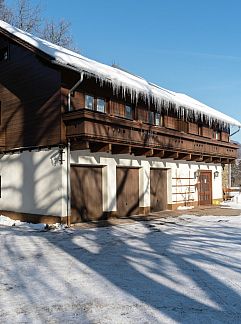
point(216, 174)
point(195, 175)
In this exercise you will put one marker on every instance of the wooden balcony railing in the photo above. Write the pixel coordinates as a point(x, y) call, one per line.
point(102, 132)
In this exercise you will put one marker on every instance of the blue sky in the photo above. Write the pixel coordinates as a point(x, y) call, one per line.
point(188, 46)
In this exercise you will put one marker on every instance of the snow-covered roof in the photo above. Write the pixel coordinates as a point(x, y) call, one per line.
point(123, 81)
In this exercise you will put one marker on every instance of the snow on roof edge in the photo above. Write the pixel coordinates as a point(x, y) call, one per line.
point(121, 80)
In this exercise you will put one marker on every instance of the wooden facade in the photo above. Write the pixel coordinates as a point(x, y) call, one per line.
point(34, 112)
point(30, 100)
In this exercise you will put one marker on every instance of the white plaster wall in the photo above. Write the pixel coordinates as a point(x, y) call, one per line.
point(34, 182)
point(175, 169)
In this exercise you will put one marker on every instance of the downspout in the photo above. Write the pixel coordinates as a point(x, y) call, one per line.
point(235, 132)
point(73, 89)
point(68, 154)
point(68, 184)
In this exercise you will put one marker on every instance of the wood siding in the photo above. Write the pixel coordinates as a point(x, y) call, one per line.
point(30, 99)
point(86, 125)
point(33, 95)
point(207, 132)
point(158, 188)
point(205, 188)
point(86, 193)
point(127, 191)
point(193, 128)
point(170, 122)
point(224, 137)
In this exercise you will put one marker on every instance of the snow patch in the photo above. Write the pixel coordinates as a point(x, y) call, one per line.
point(6, 221)
point(234, 203)
point(237, 198)
point(185, 207)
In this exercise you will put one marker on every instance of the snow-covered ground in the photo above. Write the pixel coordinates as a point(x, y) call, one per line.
point(234, 203)
point(173, 270)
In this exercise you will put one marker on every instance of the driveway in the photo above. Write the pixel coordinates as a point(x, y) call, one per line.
point(184, 269)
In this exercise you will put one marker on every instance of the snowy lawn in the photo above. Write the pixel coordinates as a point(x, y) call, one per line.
point(174, 270)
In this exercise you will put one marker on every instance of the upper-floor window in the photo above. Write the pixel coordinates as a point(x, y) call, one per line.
point(158, 119)
point(100, 105)
point(217, 135)
point(200, 130)
point(4, 54)
point(128, 112)
point(89, 102)
point(150, 117)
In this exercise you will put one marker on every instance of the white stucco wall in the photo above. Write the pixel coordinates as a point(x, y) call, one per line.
point(180, 177)
point(34, 182)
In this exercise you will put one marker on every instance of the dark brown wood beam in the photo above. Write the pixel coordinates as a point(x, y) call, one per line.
point(79, 145)
point(185, 156)
point(225, 161)
point(217, 160)
point(171, 155)
point(197, 158)
point(121, 149)
point(142, 151)
point(207, 159)
point(158, 153)
point(100, 147)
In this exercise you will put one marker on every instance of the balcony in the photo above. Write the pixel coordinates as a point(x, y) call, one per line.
point(96, 131)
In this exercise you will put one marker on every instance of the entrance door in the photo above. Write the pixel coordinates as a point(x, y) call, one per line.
point(127, 191)
point(158, 184)
point(205, 188)
point(86, 193)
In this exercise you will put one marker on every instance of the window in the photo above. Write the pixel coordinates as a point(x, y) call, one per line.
point(4, 54)
point(200, 130)
point(0, 113)
point(128, 112)
point(100, 105)
point(150, 117)
point(157, 119)
point(89, 102)
point(217, 135)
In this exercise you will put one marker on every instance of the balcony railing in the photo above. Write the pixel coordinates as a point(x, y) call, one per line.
point(89, 129)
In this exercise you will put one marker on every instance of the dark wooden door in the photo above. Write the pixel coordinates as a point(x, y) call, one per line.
point(86, 193)
point(205, 188)
point(127, 191)
point(158, 187)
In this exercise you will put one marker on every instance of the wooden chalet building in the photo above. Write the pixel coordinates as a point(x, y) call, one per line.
point(81, 140)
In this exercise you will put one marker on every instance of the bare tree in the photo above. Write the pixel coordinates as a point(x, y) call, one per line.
point(29, 18)
point(26, 16)
point(5, 13)
point(58, 33)
point(236, 170)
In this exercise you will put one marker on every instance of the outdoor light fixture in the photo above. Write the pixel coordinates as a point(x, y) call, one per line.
point(195, 175)
point(216, 174)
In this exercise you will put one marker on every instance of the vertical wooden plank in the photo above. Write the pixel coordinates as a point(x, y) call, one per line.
point(205, 188)
point(86, 193)
point(127, 191)
point(158, 186)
